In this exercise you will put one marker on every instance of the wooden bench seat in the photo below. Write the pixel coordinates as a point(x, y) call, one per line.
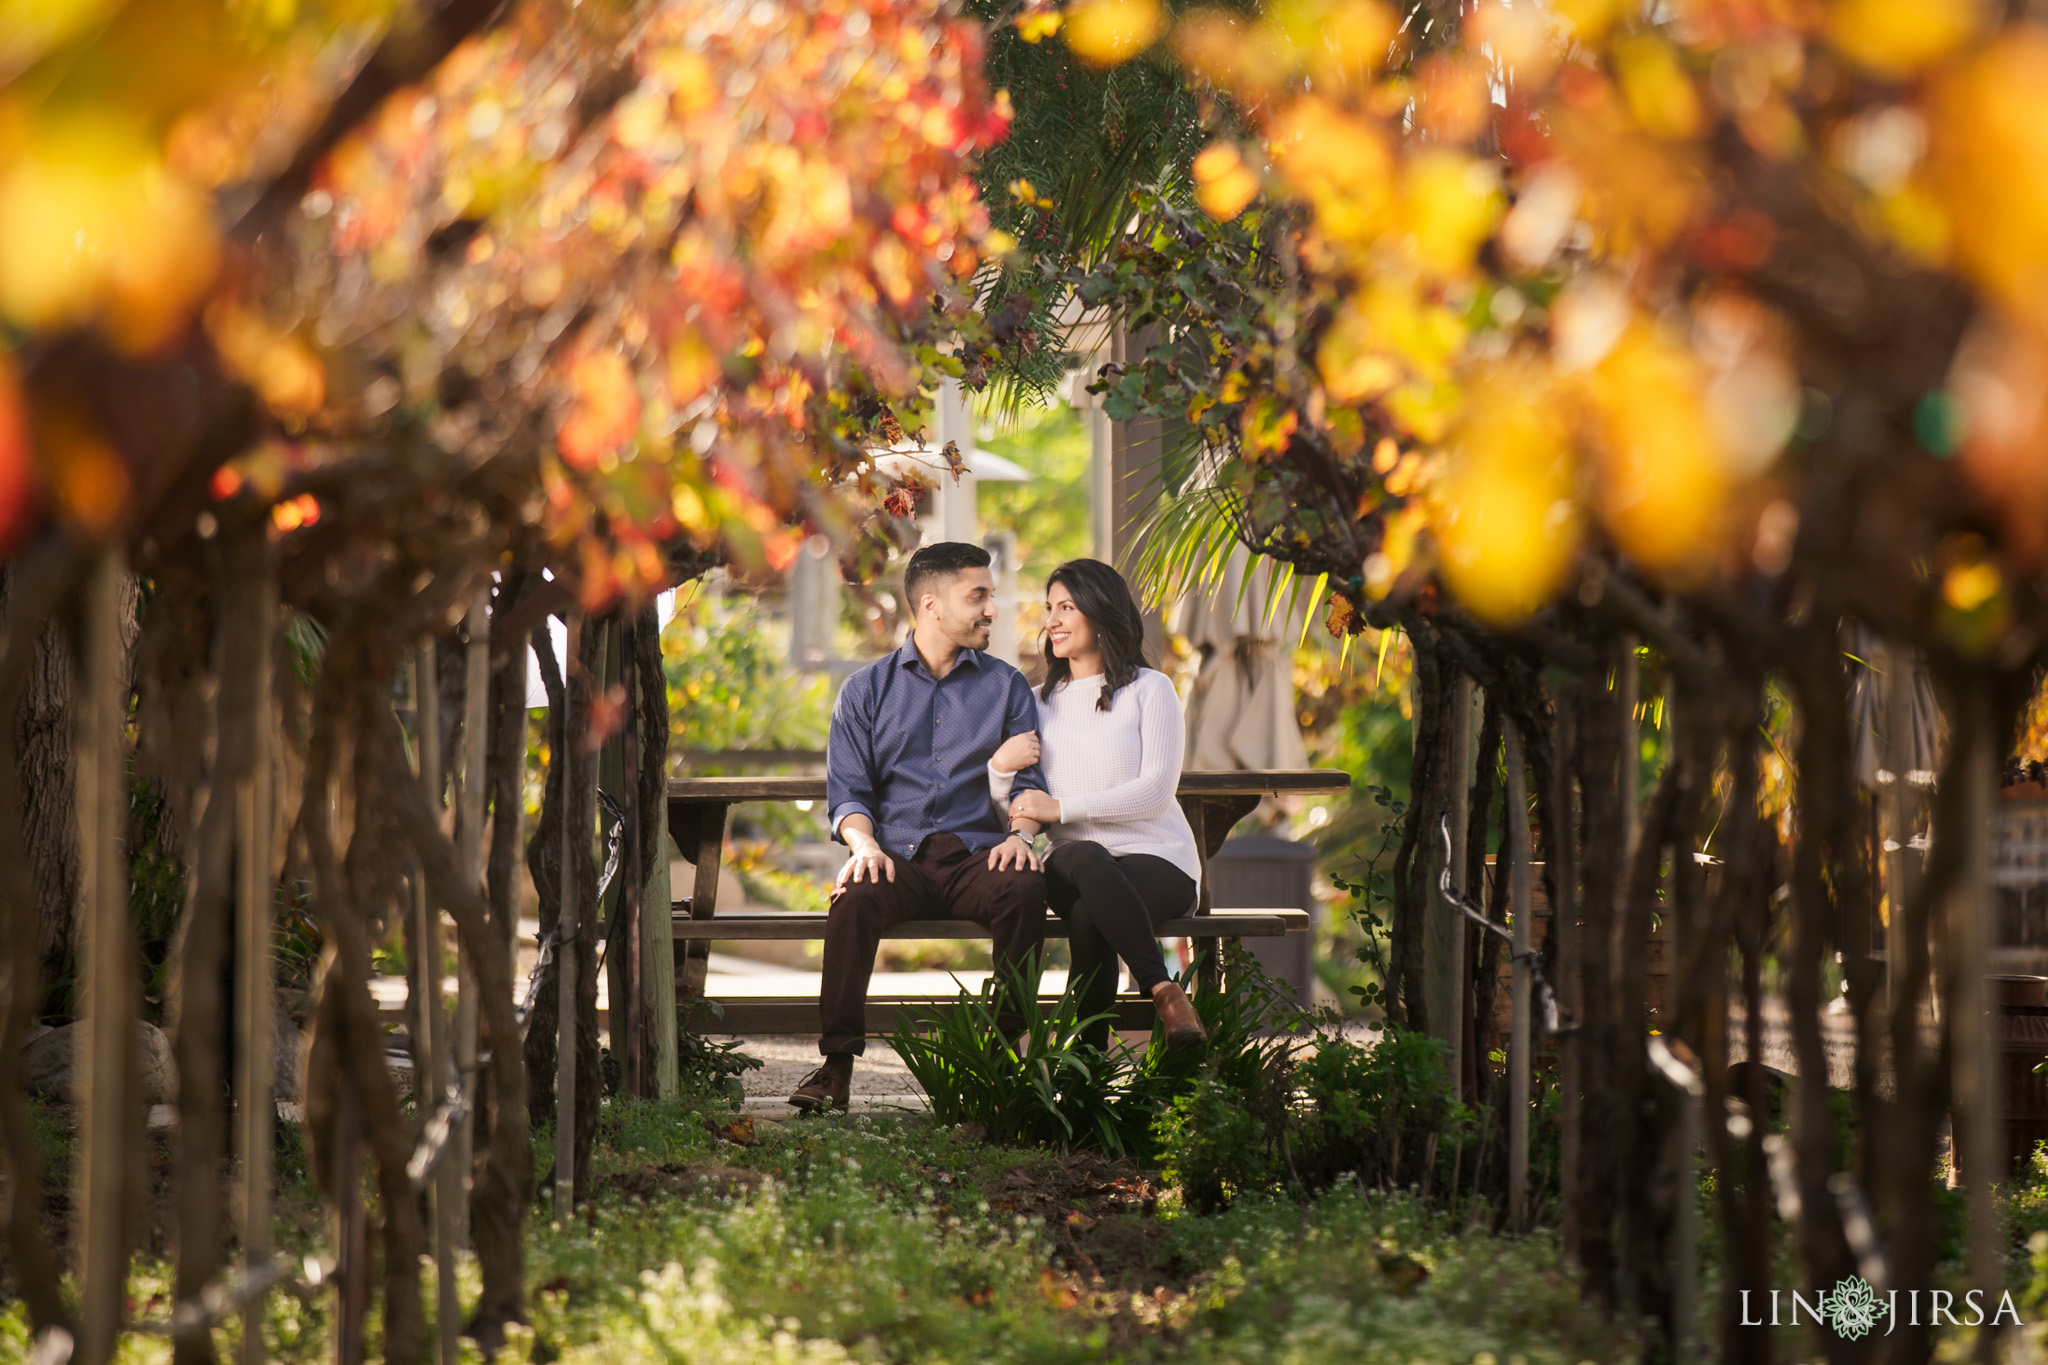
point(786, 1016)
point(756, 926)
point(698, 808)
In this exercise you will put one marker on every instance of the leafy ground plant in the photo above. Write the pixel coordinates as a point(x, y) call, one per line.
point(1033, 1080)
point(1025, 1080)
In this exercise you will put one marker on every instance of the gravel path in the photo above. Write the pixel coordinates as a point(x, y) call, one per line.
point(880, 1080)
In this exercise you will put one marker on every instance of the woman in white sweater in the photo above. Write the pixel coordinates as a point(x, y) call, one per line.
point(1123, 856)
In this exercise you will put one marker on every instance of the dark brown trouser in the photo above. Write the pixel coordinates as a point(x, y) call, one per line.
point(944, 881)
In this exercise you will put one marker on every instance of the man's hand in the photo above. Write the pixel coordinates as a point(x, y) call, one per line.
point(1017, 752)
point(864, 863)
point(1013, 852)
point(1031, 804)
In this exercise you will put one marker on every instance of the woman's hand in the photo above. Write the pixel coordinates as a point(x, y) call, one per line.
point(1034, 805)
point(1017, 752)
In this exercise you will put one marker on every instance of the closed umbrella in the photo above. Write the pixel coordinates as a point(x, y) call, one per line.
point(1241, 710)
point(1869, 704)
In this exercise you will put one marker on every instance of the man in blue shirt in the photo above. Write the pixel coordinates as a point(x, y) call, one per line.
point(907, 789)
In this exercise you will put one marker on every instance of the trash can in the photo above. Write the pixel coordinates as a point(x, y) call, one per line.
point(1262, 872)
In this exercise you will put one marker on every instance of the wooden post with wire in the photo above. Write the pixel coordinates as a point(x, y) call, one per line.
point(629, 1036)
point(1519, 1029)
point(565, 958)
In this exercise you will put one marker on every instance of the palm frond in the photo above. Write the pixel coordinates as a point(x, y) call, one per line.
point(1185, 544)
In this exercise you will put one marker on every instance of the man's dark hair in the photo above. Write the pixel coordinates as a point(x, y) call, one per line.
point(940, 560)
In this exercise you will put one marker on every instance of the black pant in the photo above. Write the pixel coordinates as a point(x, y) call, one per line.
point(1111, 904)
point(944, 881)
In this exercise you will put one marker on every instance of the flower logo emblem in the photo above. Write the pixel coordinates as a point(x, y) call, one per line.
point(1852, 1307)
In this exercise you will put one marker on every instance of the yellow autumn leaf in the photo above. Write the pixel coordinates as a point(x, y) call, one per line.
point(1661, 478)
point(93, 227)
point(692, 367)
point(1450, 204)
point(1339, 163)
point(1967, 587)
point(1338, 41)
point(1038, 25)
point(1505, 523)
point(690, 75)
point(1588, 20)
point(1223, 183)
point(1355, 369)
point(1659, 92)
point(1899, 37)
point(1987, 165)
point(1110, 32)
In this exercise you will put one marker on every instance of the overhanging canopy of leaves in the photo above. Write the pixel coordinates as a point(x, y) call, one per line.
point(1711, 299)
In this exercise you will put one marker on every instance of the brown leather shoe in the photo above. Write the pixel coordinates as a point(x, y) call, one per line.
point(1177, 1014)
point(826, 1088)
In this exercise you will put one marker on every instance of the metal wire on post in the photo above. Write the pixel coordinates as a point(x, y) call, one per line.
point(565, 952)
point(628, 1035)
point(1545, 997)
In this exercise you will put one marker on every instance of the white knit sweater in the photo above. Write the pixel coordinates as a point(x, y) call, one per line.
point(1114, 772)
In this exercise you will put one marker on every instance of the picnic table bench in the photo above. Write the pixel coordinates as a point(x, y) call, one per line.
point(697, 811)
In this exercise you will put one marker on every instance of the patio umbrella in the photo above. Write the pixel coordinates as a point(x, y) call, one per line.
point(1241, 709)
point(1869, 704)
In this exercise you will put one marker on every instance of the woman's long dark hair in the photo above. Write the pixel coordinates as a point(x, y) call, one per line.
point(1101, 595)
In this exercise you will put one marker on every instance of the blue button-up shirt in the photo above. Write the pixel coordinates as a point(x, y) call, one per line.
point(911, 751)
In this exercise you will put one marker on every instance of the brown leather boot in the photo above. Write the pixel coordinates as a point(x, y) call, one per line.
point(826, 1088)
point(1177, 1014)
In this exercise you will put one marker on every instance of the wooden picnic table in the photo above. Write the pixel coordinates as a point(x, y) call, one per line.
point(698, 808)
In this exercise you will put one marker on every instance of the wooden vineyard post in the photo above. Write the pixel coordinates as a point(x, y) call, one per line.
point(1976, 1057)
point(1519, 1028)
point(430, 1053)
point(255, 975)
point(470, 822)
point(1444, 931)
point(106, 1063)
